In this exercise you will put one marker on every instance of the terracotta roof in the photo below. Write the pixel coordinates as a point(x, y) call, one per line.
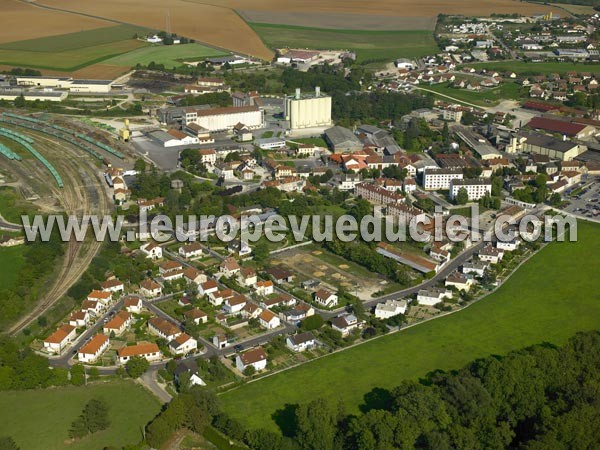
point(89, 304)
point(170, 265)
point(209, 284)
point(138, 350)
point(253, 356)
point(556, 126)
point(149, 285)
point(111, 283)
point(117, 322)
point(164, 326)
point(182, 339)
point(99, 294)
point(130, 300)
point(191, 273)
point(94, 344)
point(267, 315)
point(195, 313)
point(59, 335)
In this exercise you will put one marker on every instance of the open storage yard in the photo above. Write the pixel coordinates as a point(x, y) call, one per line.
point(41, 419)
point(550, 298)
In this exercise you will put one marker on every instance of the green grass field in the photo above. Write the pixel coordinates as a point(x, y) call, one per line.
point(485, 97)
point(369, 45)
point(12, 206)
point(521, 67)
point(550, 298)
point(40, 419)
point(170, 56)
point(11, 261)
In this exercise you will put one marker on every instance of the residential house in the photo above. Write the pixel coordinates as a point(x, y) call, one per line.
point(345, 324)
point(196, 315)
point(169, 266)
point(118, 324)
point(325, 298)
point(189, 367)
point(256, 358)
point(148, 351)
point(133, 304)
point(208, 287)
point(247, 277)
point(280, 275)
point(92, 350)
point(491, 254)
point(477, 268)
point(183, 344)
point(112, 285)
point(191, 250)
point(219, 296)
point(264, 288)
point(60, 339)
point(193, 275)
point(229, 267)
point(508, 246)
point(79, 319)
point(92, 307)
point(301, 342)
point(150, 288)
point(250, 311)
point(152, 250)
point(235, 304)
point(460, 281)
point(163, 328)
point(432, 296)
point(101, 297)
point(390, 308)
point(220, 341)
point(280, 301)
point(268, 320)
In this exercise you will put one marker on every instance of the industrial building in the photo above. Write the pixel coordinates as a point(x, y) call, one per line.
point(541, 144)
point(224, 119)
point(90, 86)
point(308, 110)
point(172, 138)
point(86, 86)
point(34, 94)
point(342, 140)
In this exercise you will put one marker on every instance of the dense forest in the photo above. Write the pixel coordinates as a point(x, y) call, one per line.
point(541, 397)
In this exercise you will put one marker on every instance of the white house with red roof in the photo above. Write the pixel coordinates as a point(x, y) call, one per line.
point(112, 285)
point(93, 349)
point(148, 351)
point(255, 357)
point(79, 319)
point(325, 298)
point(133, 304)
point(150, 288)
point(60, 339)
point(268, 320)
point(152, 250)
point(183, 344)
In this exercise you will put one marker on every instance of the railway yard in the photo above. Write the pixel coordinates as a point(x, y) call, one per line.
point(83, 193)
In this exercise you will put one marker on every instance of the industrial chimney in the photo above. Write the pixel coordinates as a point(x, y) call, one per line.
point(318, 91)
point(297, 93)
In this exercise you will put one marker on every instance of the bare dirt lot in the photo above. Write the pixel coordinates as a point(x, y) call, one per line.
point(21, 21)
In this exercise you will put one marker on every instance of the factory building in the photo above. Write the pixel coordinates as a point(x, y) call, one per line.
point(85, 86)
point(224, 119)
point(308, 110)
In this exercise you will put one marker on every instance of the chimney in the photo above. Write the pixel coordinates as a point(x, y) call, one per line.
point(564, 137)
point(318, 91)
point(297, 93)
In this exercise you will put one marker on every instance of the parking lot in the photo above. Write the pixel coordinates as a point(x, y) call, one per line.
point(584, 199)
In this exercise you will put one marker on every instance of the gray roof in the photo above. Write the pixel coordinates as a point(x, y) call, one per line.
point(339, 135)
point(99, 82)
point(161, 136)
point(302, 338)
point(542, 140)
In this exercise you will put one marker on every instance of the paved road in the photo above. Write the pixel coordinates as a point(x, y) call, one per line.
point(149, 379)
point(9, 226)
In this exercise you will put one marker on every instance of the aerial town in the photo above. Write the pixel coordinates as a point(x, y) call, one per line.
point(479, 330)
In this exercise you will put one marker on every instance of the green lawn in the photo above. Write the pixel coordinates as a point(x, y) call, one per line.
point(369, 45)
point(169, 55)
point(72, 51)
point(40, 419)
point(11, 261)
point(521, 67)
point(550, 298)
point(485, 97)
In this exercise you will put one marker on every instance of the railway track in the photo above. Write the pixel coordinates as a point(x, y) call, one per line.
point(76, 199)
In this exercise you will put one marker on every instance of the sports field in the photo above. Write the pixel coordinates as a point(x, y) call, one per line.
point(72, 51)
point(554, 295)
point(369, 45)
point(40, 419)
point(169, 55)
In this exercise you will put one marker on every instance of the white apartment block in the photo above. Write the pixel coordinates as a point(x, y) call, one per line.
point(439, 179)
point(476, 188)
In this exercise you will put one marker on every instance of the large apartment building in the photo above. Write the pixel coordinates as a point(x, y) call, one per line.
point(439, 179)
point(476, 188)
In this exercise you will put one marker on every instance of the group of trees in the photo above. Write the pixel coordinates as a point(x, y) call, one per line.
point(541, 397)
point(94, 418)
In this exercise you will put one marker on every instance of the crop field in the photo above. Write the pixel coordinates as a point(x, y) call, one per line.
point(369, 45)
point(40, 419)
point(553, 296)
point(220, 22)
point(170, 55)
point(521, 67)
point(22, 21)
point(69, 52)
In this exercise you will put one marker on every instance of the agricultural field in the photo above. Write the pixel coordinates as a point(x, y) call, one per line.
point(521, 67)
point(485, 97)
point(69, 52)
point(220, 22)
point(553, 296)
point(368, 45)
point(40, 419)
point(169, 55)
point(24, 21)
